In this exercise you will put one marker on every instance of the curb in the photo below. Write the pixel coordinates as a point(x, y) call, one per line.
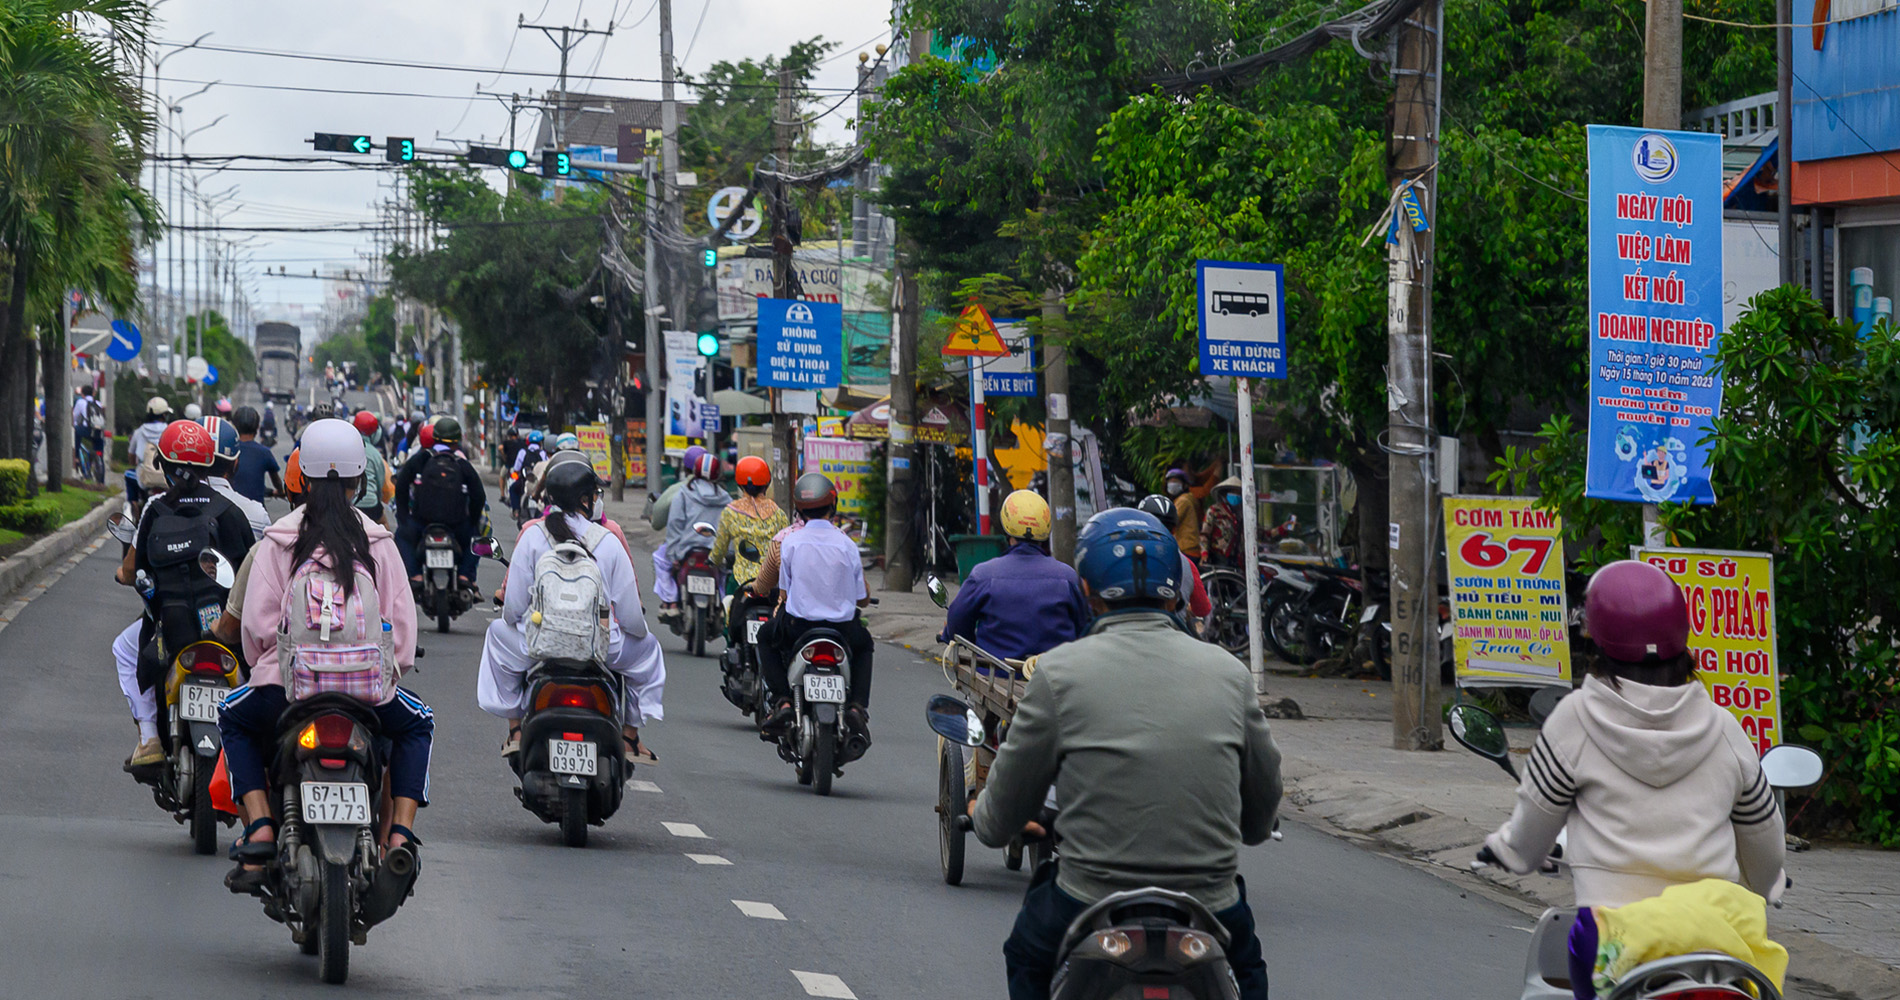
point(19, 569)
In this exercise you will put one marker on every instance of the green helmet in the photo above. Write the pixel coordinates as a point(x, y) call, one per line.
point(448, 430)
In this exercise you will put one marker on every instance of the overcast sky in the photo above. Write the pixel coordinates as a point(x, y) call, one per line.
point(473, 33)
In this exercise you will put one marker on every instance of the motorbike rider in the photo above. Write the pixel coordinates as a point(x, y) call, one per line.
point(268, 422)
point(258, 474)
point(1179, 487)
point(1221, 526)
point(438, 486)
point(1655, 783)
point(189, 509)
point(1199, 605)
point(822, 574)
point(703, 499)
point(1156, 747)
point(753, 518)
point(1022, 602)
point(326, 527)
point(158, 415)
point(634, 652)
point(229, 452)
point(379, 487)
point(531, 454)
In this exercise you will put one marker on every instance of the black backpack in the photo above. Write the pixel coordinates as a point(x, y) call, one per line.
point(439, 495)
point(186, 601)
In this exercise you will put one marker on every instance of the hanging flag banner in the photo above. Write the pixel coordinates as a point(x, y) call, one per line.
point(1731, 599)
point(1655, 312)
point(1509, 612)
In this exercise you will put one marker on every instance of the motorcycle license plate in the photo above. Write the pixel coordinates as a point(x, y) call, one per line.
point(573, 757)
point(440, 558)
point(824, 688)
point(336, 802)
point(752, 630)
point(199, 702)
point(701, 585)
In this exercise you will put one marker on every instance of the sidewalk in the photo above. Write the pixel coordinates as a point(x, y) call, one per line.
point(1840, 922)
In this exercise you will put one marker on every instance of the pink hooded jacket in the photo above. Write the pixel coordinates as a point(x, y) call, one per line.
point(270, 574)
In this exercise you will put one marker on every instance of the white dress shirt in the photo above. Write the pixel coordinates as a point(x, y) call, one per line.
point(821, 573)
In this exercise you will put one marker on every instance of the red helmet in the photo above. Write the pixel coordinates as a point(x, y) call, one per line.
point(752, 471)
point(365, 422)
point(186, 442)
point(425, 437)
point(1634, 611)
point(707, 467)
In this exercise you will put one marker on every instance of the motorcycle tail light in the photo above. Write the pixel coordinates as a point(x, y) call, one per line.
point(822, 653)
point(208, 658)
point(1156, 993)
point(1114, 943)
point(574, 737)
point(333, 763)
point(1190, 946)
point(573, 696)
point(329, 732)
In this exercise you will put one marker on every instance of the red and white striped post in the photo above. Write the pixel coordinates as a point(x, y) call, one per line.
point(980, 442)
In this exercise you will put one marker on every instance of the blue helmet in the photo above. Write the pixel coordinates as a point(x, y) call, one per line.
point(536, 437)
point(225, 433)
point(1125, 554)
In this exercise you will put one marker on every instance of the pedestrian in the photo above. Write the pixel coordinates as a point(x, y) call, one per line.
point(1187, 513)
point(1221, 526)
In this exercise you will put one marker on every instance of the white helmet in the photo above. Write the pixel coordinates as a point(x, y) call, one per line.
point(193, 411)
point(156, 408)
point(332, 449)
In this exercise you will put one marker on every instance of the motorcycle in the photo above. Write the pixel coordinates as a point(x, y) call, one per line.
point(1314, 611)
point(570, 763)
point(1695, 976)
point(702, 613)
point(816, 743)
point(326, 877)
point(268, 437)
point(439, 595)
point(742, 682)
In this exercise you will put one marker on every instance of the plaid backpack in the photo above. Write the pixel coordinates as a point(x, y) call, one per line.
point(328, 641)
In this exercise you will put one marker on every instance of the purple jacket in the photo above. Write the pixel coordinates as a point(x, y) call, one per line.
point(1019, 604)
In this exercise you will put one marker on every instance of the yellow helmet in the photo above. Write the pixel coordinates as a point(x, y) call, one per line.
point(1026, 515)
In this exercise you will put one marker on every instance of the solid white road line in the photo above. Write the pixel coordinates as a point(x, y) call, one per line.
point(639, 785)
point(708, 859)
point(685, 830)
point(819, 984)
point(763, 911)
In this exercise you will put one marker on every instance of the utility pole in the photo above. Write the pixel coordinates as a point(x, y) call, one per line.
point(670, 219)
point(1412, 536)
point(1784, 141)
point(900, 495)
point(1662, 109)
point(655, 356)
point(569, 38)
point(1055, 373)
point(782, 461)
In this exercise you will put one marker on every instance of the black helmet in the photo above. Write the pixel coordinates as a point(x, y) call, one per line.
point(448, 430)
point(813, 491)
point(567, 483)
point(1162, 508)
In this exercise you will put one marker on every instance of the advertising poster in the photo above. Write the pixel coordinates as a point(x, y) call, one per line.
point(1731, 599)
point(1655, 312)
point(593, 439)
point(1510, 618)
point(683, 363)
point(848, 463)
point(634, 450)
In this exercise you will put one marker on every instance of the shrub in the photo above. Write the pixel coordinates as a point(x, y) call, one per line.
point(14, 473)
point(34, 517)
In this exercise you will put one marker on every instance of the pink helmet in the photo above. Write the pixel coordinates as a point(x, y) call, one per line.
point(1634, 611)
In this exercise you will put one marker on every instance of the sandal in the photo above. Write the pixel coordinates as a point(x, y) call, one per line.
point(637, 752)
point(409, 838)
point(511, 745)
point(249, 877)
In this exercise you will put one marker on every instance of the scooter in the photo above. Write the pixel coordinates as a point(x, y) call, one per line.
point(439, 595)
point(1696, 976)
point(742, 683)
point(816, 743)
point(702, 613)
point(570, 763)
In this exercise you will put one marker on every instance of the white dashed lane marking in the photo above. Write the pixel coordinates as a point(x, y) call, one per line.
point(763, 911)
point(685, 830)
point(708, 859)
point(819, 984)
point(639, 785)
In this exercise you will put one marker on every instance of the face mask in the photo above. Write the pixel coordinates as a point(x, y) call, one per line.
point(1175, 487)
point(1233, 499)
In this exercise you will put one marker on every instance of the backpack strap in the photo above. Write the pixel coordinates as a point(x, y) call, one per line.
point(594, 535)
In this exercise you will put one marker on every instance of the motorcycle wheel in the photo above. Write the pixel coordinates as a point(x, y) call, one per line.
point(333, 925)
point(442, 622)
point(822, 756)
point(204, 819)
point(574, 817)
point(1227, 591)
point(696, 632)
point(951, 793)
point(1285, 632)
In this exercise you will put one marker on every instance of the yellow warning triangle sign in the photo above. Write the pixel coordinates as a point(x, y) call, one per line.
point(975, 336)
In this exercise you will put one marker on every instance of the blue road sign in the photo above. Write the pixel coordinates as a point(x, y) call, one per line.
point(801, 344)
point(709, 419)
point(1243, 318)
point(125, 341)
point(211, 375)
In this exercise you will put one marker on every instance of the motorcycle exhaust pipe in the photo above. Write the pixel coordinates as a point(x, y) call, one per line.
point(392, 884)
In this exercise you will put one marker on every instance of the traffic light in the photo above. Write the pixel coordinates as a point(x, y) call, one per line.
point(709, 257)
point(331, 142)
point(556, 164)
point(708, 344)
point(514, 159)
point(399, 150)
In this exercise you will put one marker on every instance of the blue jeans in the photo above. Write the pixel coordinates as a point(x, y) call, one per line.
point(248, 723)
point(1029, 955)
point(409, 542)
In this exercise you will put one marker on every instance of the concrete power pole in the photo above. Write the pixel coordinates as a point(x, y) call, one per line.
point(655, 347)
point(901, 495)
point(782, 460)
point(1055, 373)
point(670, 217)
point(1412, 535)
point(1662, 109)
point(1784, 148)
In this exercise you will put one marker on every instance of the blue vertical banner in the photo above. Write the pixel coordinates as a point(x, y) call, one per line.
point(1655, 313)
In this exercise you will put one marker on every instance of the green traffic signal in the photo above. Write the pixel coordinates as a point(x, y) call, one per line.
point(708, 344)
point(556, 164)
point(709, 257)
point(517, 160)
point(399, 150)
point(331, 142)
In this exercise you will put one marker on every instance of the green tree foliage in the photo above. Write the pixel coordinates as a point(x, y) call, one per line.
point(223, 350)
point(730, 128)
point(368, 345)
point(1806, 462)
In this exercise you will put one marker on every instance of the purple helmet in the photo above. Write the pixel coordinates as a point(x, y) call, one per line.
point(691, 460)
point(1180, 474)
point(1634, 611)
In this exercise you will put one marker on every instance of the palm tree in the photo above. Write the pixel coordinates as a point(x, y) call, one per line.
point(72, 131)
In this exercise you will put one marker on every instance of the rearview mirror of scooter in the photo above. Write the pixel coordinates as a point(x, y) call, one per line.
point(951, 719)
point(748, 550)
point(938, 593)
point(217, 567)
point(483, 546)
point(703, 528)
point(1481, 733)
point(1789, 766)
point(120, 527)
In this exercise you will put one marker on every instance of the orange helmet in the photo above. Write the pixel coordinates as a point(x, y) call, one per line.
point(752, 471)
point(293, 472)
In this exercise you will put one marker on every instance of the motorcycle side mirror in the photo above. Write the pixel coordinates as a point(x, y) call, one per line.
point(217, 567)
point(748, 550)
point(1792, 767)
point(484, 546)
point(703, 528)
point(1481, 733)
point(120, 527)
point(939, 594)
point(953, 720)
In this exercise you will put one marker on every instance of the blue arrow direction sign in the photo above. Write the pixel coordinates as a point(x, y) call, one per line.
point(126, 341)
point(211, 375)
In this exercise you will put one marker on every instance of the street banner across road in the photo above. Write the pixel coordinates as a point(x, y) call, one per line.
point(1655, 312)
point(1731, 599)
point(801, 344)
point(1510, 619)
point(1243, 318)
